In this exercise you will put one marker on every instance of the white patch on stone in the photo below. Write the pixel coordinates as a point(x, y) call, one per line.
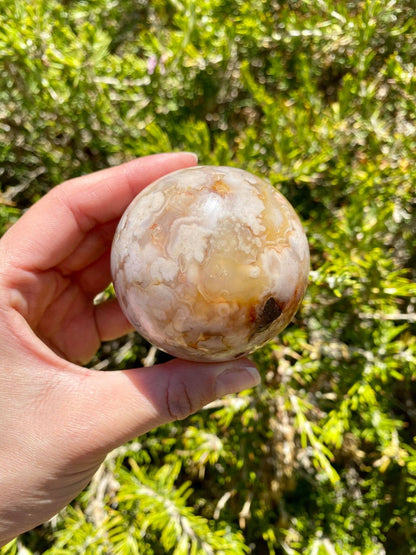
point(283, 271)
point(163, 270)
point(254, 272)
point(188, 240)
point(247, 208)
point(144, 206)
point(299, 244)
point(163, 299)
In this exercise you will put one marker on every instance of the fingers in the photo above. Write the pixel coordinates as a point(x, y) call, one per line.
point(109, 318)
point(110, 321)
point(55, 226)
point(125, 404)
point(95, 244)
point(95, 277)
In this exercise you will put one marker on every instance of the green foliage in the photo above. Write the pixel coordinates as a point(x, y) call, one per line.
point(148, 515)
point(318, 96)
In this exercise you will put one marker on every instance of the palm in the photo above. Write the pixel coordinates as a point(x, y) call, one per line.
point(58, 303)
point(66, 322)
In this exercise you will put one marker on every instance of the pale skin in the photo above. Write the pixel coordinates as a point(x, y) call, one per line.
point(58, 419)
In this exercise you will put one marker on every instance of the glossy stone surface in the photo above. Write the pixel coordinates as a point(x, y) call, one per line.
point(209, 263)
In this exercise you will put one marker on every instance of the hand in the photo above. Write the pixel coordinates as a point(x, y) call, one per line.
point(58, 420)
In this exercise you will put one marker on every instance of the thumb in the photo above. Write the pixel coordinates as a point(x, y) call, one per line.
point(126, 404)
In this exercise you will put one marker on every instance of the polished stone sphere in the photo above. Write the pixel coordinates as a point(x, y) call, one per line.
point(209, 263)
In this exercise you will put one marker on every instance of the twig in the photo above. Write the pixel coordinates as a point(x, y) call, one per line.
point(150, 358)
point(382, 316)
point(222, 502)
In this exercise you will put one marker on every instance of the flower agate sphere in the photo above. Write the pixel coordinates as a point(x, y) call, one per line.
point(209, 263)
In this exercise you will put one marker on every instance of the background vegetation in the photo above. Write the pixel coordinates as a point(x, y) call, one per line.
point(319, 96)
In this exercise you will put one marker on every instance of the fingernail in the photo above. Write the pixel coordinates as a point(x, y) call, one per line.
point(192, 154)
point(236, 378)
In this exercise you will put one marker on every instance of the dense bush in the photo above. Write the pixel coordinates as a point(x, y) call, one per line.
point(319, 96)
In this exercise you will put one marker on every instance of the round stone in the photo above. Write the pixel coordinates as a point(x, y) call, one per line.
point(209, 263)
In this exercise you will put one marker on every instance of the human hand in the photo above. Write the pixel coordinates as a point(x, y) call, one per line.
point(58, 420)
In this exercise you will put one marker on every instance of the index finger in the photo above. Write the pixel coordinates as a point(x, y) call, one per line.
point(55, 226)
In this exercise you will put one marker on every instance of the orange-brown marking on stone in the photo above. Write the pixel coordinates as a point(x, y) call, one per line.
point(221, 188)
